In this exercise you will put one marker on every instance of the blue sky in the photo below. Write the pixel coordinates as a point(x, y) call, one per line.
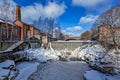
point(75, 16)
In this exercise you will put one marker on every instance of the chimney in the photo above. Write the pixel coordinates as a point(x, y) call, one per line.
point(18, 13)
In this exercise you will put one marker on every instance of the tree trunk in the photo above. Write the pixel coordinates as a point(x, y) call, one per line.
point(12, 33)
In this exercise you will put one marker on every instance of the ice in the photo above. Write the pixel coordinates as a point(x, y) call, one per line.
point(58, 70)
point(26, 69)
point(96, 75)
point(93, 75)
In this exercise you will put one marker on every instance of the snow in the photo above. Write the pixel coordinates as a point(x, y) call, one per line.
point(96, 75)
point(7, 64)
point(89, 52)
point(3, 73)
point(26, 69)
point(71, 70)
point(93, 75)
point(7, 69)
point(42, 55)
point(58, 70)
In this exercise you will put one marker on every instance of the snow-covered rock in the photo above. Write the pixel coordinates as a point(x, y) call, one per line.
point(7, 70)
point(42, 55)
point(25, 70)
point(4, 73)
point(7, 64)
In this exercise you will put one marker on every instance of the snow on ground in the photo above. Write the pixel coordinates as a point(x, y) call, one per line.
point(7, 64)
point(7, 69)
point(96, 75)
point(58, 70)
point(25, 70)
point(89, 52)
point(42, 55)
point(3, 72)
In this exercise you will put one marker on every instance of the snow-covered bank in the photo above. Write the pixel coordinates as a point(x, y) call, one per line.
point(96, 75)
point(7, 70)
point(42, 55)
point(95, 55)
point(25, 70)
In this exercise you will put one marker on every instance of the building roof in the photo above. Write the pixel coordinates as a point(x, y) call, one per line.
point(28, 25)
point(3, 21)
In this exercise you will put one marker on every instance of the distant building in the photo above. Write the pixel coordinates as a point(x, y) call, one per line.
point(106, 34)
point(72, 38)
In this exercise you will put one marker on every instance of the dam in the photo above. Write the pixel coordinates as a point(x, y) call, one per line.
point(69, 45)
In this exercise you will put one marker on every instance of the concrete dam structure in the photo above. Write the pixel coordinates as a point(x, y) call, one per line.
point(69, 45)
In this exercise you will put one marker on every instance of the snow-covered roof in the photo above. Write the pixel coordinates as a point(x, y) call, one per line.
point(1, 21)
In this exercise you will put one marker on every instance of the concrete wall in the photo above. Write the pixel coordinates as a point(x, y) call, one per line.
point(66, 45)
point(70, 46)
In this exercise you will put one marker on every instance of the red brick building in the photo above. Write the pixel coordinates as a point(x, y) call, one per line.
point(27, 30)
point(17, 30)
point(11, 32)
point(106, 33)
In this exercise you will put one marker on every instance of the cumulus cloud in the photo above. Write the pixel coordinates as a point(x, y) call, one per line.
point(75, 28)
point(88, 19)
point(87, 3)
point(54, 10)
point(94, 6)
point(32, 12)
point(71, 31)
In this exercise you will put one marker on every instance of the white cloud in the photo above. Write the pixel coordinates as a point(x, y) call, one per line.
point(32, 12)
point(87, 3)
point(54, 10)
point(75, 28)
point(88, 19)
point(71, 31)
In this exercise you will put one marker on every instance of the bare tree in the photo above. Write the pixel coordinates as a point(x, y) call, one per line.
point(85, 35)
point(7, 14)
point(51, 26)
point(4, 13)
point(12, 13)
point(57, 32)
point(110, 18)
point(46, 25)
